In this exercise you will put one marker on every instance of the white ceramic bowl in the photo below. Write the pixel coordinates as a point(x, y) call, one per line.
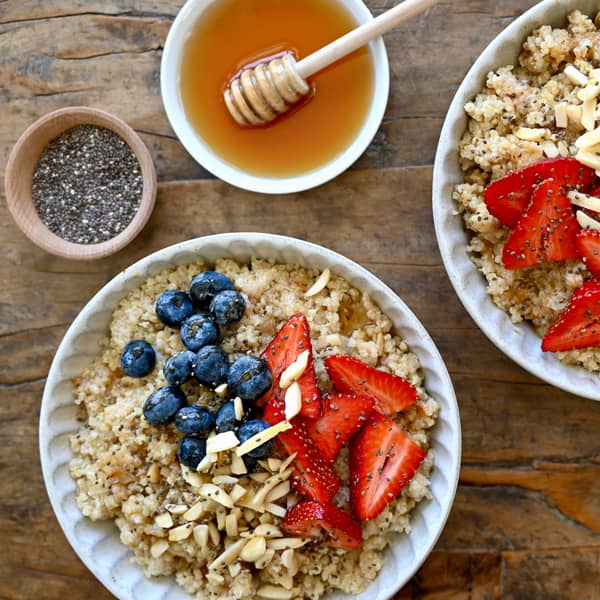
point(201, 151)
point(520, 342)
point(97, 544)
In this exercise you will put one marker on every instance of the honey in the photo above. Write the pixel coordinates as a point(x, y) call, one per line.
point(234, 33)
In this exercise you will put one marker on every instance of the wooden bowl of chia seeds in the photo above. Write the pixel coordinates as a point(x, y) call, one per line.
point(80, 183)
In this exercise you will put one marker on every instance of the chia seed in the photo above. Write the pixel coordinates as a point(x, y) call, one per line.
point(87, 185)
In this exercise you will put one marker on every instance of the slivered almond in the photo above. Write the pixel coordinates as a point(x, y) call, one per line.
point(274, 464)
point(575, 75)
point(586, 221)
point(207, 462)
point(530, 134)
point(254, 549)
point(588, 158)
point(222, 441)
point(159, 548)
point(266, 519)
point(293, 401)
point(154, 473)
point(294, 371)
point(191, 477)
point(268, 530)
point(224, 480)
point(228, 556)
point(289, 542)
point(237, 492)
point(234, 569)
point(260, 438)
point(238, 408)
point(266, 558)
point(588, 114)
point(238, 466)
point(274, 592)
point(164, 520)
point(319, 284)
point(176, 509)
point(213, 492)
point(249, 514)
point(279, 491)
point(269, 484)
point(213, 533)
point(231, 525)
point(290, 561)
point(259, 477)
point(550, 149)
point(221, 390)
point(200, 533)
point(591, 90)
point(560, 115)
point(180, 533)
point(196, 511)
point(275, 509)
point(287, 462)
point(574, 113)
point(584, 200)
point(221, 515)
point(591, 138)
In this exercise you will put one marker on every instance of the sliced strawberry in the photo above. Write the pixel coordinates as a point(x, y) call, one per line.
point(313, 477)
point(291, 340)
point(588, 248)
point(352, 376)
point(507, 197)
point(311, 519)
point(578, 326)
point(341, 417)
point(383, 459)
point(546, 232)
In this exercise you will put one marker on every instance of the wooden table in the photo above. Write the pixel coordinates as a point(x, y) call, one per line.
point(526, 520)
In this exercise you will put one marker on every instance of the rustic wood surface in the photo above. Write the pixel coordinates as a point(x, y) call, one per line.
point(526, 521)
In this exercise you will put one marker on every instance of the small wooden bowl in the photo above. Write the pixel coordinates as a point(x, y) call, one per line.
point(21, 166)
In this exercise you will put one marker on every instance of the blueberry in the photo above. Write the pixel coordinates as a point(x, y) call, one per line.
point(191, 451)
point(195, 420)
point(251, 464)
point(207, 285)
point(227, 307)
point(161, 407)
point(138, 359)
point(173, 308)
point(212, 366)
point(251, 428)
point(249, 378)
point(225, 419)
point(198, 331)
point(178, 369)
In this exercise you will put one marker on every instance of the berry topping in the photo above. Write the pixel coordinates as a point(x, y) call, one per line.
point(250, 429)
point(225, 419)
point(207, 285)
point(383, 459)
point(198, 331)
point(352, 376)
point(212, 366)
point(138, 359)
point(249, 378)
point(508, 197)
point(191, 451)
point(578, 326)
point(311, 519)
point(545, 232)
point(342, 416)
point(161, 407)
point(194, 420)
point(227, 307)
point(173, 308)
point(178, 369)
point(291, 341)
point(588, 248)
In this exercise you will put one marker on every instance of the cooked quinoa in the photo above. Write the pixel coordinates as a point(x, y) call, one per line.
point(515, 97)
point(127, 469)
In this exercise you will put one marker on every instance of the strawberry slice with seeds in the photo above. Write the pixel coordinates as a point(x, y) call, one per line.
point(311, 519)
point(588, 248)
point(352, 376)
point(383, 459)
point(578, 326)
point(508, 197)
point(546, 232)
point(313, 477)
point(342, 416)
point(291, 340)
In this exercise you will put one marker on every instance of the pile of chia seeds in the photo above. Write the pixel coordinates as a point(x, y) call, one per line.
point(87, 185)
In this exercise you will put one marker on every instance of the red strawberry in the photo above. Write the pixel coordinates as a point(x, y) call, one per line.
point(588, 248)
point(312, 477)
point(383, 459)
point(291, 340)
point(352, 376)
point(578, 326)
point(507, 197)
point(342, 416)
point(310, 519)
point(546, 232)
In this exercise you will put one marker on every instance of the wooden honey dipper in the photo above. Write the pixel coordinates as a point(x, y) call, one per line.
point(259, 94)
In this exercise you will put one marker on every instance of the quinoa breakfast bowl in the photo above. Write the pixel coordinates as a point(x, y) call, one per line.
point(514, 193)
point(268, 501)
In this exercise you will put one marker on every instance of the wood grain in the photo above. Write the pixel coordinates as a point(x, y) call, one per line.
point(526, 521)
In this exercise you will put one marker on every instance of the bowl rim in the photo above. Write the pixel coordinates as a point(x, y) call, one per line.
point(211, 161)
point(38, 232)
point(515, 340)
point(167, 257)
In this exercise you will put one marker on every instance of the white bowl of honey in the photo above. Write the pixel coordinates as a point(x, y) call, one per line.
point(211, 40)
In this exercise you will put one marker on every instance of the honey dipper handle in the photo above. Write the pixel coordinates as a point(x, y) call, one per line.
point(360, 36)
